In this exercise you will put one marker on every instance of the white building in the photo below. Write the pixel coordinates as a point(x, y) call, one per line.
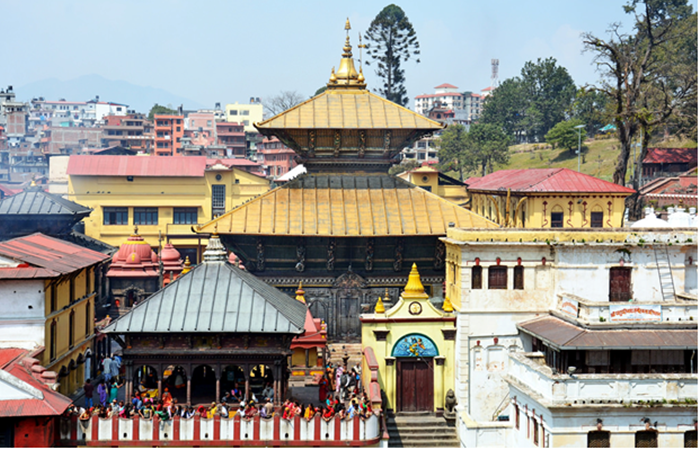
point(541, 347)
point(246, 114)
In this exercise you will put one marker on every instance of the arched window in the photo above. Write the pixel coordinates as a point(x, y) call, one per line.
point(52, 341)
point(87, 318)
point(557, 217)
point(71, 329)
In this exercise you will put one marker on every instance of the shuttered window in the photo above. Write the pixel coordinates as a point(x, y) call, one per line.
point(518, 277)
point(646, 439)
point(598, 439)
point(498, 277)
point(620, 284)
point(476, 277)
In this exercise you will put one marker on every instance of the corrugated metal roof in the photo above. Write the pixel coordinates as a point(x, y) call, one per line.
point(346, 205)
point(671, 155)
point(349, 109)
point(563, 335)
point(49, 253)
point(544, 180)
point(137, 166)
point(215, 297)
point(34, 200)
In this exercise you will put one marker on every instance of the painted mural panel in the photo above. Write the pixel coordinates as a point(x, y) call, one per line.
point(414, 345)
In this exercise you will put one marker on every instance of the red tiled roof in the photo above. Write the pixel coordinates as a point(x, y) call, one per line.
point(232, 162)
point(140, 166)
point(50, 257)
point(671, 155)
point(50, 402)
point(446, 86)
point(544, 180)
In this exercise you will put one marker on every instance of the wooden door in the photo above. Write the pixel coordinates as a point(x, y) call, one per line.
point(620, 284)
point(414, 384)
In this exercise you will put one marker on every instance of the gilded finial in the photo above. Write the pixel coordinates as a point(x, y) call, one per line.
point(333, 77)
point(188, 266)
point(216, 227)
point(300, 294)
point(379, 307)
point(386, 295)
point(347, 24)
point(447, 305)
point(347, 75)
point(33, 183)
point(136, 230)
point(414, 288)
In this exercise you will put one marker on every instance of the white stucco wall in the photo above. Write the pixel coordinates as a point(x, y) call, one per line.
point(22, 313)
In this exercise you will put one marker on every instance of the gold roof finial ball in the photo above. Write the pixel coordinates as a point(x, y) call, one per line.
point(447, 305)
point(361, 77)
point(379, 307)
point(188, 266)
point(300, 294)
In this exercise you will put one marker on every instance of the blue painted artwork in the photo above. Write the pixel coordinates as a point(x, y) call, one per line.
point(414, 345)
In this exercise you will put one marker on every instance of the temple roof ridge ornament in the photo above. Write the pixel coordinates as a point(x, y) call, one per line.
point(347, 76)
point(215, 251)
point(414, 288)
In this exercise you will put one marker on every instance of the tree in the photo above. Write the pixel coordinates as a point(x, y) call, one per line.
point(452, 146)
point(565, 135)
point(392, 40)
point(406, 164)
point(549, 91)
point(592, 108)
point(487, 145)
point(506, 106)
point(282, 102)
point(160, 109)
point(632, 67)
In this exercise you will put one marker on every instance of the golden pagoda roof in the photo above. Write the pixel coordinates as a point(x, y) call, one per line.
point(346, 205)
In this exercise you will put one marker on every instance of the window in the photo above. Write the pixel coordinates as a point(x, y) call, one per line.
point(646, 439)
point(71, 326)
point(52, 343)
point(218, 200)
point(557, 220)
point(498, 277)
point(518, 277)
point(535, 432)
point(177, 128)
point(116, 216)
point(597, 219)
point(690, 439)
point(182, 216)
point(87, 318)
point(517, 417)
point(245, 112)
point(145, 216)
point(476, 277)
point(208, 123)
point(598, 439)
point(71, 285)
point(233, 112)
point(620, 284)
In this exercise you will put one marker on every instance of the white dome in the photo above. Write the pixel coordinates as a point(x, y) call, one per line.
point(650, 221)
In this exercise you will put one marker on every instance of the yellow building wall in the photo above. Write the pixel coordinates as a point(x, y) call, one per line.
point(576, 208)
point(453, 275)
point(164, 193)
point(456, 194)
point(254, 115)
point(443, 375)
point(82, 305)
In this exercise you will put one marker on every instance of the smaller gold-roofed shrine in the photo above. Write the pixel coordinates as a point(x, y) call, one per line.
point(346, 227)
point(413, 343)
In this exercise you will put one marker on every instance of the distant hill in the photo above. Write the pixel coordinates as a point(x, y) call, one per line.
point(139, 98)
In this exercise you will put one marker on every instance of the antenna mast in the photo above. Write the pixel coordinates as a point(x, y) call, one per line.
point(494, 73)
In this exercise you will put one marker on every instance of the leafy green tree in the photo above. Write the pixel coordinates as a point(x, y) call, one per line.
point(160, 109)
point(506, 106)
point(392, 40)
point(406, 164)
point(592, 108)
point(452, 147)
point(549, 91)
point(565, 135)
point(487, 145)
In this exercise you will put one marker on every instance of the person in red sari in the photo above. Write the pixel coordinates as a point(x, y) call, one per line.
point(323, 386)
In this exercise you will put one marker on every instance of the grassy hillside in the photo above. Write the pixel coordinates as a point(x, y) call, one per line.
point(598, 157)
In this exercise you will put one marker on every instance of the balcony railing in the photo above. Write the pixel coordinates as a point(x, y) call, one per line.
point(600, 388)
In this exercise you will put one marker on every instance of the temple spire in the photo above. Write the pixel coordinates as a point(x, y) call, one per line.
point(414, 288)
point(347, 75)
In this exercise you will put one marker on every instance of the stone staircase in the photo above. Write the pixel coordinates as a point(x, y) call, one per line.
point(421, 429)
point(338, 351)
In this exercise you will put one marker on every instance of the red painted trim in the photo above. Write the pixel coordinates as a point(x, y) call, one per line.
point(217, 428)
point(136, 428)
point(256, 428)
point(236, 427)
point(337, 428)
point(297, 428)
point(95, 428)
point(197, 432)
point(115, 428)
point(276, 427)
point(74, 428)
point(406, 319)
point(176, 427)
point(156, 427)
point(247, 443)
point(317, 427)
point(356, 428)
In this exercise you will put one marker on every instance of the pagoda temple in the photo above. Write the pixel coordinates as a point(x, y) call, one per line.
point(346, 228)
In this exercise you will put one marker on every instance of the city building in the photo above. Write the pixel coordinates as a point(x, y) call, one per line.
point(668, 162)
point(574, 338)
point(245, 114)
point(165, 197)
point(346, 228)
point(232, 137)
point(131, 131)
point(665, 192)
point(47, 292)
point(168, 133)
point(548, 198)
point(276, 158)
point(465, 107)
point(432, 180)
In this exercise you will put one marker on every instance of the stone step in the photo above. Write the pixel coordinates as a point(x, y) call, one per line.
point(427, 430)
point(424, 443)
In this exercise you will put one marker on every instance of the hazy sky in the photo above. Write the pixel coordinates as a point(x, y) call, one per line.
point(227, 51)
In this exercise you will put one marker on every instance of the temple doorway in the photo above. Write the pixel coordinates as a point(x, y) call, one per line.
point(415, 384)
point(175, 380)
point(146, 381)
point(203, 388)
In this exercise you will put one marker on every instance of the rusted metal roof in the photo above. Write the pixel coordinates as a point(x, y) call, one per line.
point(214, 297)
point(56, 256)
point(544, 180)
point(349, 109)
point(563, 335)
point(671, 155)
point(137, 166)
point(346, 205)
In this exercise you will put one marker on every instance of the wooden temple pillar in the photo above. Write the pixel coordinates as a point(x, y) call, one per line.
point(246, 369)
point(189, 390)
